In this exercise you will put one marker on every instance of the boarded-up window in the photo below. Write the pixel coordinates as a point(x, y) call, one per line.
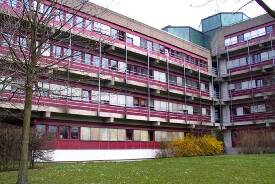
point(113, 135)
point(95, 134)
point(85, 133)
point(103, 134)
point(137, 135)
point(144, 136)
point(121, 135)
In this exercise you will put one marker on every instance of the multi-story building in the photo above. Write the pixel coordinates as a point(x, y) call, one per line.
point(143, 85)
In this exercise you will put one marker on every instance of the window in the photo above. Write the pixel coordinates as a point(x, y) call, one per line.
point(150, 46)
point(59, 15)
point(143, 43)
point(129, 135)
point(104, 134)
point(6, 39)
point(269, 29)
point(105, 63)
point(257, 58)
point(156, 47)
point(12, 3)
point(69, 19)
point(78, 22)
point(113, 64)
point(173, 79)
point(56, 51)
point(63, 132)
point(67, 53)
point(240, 38)
point(77, 56)
point(40, 130)
point(144, 71)
point(135, 70)
point(96, 61)
point(87, 58)
point(52, 130)
point(74, 132)
point(129, 68)
point(85, 95)
point(85, 133)
point(121, 66)
point(89, 26)
point(114, 33)
point(76, 94)
point(246, 109)
point(21, 42)
point(129, 40)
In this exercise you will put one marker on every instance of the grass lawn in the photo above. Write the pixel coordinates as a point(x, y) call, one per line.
point(235, 169)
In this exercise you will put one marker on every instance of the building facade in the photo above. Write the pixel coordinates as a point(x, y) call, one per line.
point(141, 85)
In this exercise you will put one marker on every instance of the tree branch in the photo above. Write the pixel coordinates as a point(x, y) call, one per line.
point(266, 8)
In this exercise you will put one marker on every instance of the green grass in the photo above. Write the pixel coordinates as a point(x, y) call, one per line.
point(235, 169)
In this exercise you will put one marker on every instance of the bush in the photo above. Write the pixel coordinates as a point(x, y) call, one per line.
point(10, 145)
point(196, 146)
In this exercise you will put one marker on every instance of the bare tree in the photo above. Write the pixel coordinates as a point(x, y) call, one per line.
point(28, 29)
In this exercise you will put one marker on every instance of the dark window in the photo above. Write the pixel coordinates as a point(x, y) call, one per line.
point(113, 65)
point(63, 132)
point(269, 29)
point(52, 130)
point(129, 68)
point(136, 70)
point(151, 135)
point(246, 109)
point(172, 79)
point(151, 73)
point(162, 49)
point(240, 38)
point(129, 135)
point(74, 133)
point(144, 71)
point(121, 35)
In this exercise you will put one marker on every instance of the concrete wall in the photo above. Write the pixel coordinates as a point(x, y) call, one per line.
point(87, 155)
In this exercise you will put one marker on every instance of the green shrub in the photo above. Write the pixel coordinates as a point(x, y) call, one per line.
point(195, 146)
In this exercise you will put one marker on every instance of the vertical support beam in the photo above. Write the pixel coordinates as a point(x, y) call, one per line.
point(126, 59)
point(99, 81)
point(230, 95)
point(148, 85)
point(227, 137)
point(168, 86)
point(185, 98)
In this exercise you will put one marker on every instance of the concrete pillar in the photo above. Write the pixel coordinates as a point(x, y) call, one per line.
point(228, 142)
point(224, 91)
point(226, 114)
point(212, 113)
point(222, 67)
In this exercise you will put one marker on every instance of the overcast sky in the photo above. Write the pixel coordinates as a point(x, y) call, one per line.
point(160, 13)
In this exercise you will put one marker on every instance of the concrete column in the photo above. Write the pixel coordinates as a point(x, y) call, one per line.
point(227, 138)
point(212, 113)
point(226, 114)
point(222, 67)
point(224, 91)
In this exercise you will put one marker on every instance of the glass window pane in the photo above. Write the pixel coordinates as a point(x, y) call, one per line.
point(63, 132)
point(96, 61)
point(87, 58)
point(74, 133)
point(41, 130)
point(52, 130)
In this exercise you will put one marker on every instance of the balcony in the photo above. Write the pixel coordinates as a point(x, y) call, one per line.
point(256, 92)
point(67, 106)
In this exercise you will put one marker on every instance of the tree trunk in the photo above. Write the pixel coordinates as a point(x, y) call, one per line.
point(23, 165)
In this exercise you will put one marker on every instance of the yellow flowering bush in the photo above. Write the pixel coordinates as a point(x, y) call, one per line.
point(194, 146)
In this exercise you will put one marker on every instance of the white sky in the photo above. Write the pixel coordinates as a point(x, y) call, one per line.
point(160, 13)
